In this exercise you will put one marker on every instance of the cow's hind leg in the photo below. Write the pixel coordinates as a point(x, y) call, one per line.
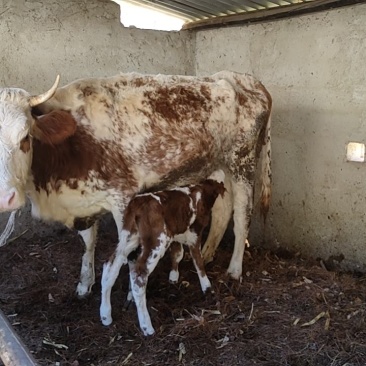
point(87, 273)
point(243, 207)
point(220, 217)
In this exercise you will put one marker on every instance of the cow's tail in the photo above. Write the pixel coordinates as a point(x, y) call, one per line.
point(266, 174)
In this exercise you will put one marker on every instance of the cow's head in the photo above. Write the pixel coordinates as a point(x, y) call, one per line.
point(17, 129)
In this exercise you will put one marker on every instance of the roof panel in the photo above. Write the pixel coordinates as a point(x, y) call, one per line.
point(219, 12)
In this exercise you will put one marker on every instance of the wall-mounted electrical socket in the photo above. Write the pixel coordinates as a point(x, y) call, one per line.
point(355, 152)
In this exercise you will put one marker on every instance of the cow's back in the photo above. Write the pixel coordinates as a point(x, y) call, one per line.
point(171, 129)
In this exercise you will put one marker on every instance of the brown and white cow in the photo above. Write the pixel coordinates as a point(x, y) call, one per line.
point(152, 221)
point(88, 147)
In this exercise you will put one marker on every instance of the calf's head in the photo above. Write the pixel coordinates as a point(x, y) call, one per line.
point(17, 129)
point(213, 186)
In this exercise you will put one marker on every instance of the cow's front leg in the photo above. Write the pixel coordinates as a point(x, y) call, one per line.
point(87, 273)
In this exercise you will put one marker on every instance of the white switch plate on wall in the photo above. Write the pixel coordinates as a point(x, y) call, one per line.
point(356, 152)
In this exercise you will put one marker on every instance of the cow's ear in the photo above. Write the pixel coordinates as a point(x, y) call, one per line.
point(54, 127)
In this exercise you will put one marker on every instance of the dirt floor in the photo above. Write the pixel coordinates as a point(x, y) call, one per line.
point(286, 311)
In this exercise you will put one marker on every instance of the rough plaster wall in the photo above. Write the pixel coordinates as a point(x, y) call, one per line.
point(39, 39)
point(314, 66)
point(80, 39)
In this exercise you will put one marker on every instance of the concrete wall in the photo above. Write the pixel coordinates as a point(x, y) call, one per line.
point(314, 66)
point(78, 38)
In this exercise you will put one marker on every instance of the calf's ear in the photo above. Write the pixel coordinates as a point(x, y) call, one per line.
point(53, 128)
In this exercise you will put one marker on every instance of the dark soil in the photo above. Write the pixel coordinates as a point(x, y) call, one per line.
point(261, 321)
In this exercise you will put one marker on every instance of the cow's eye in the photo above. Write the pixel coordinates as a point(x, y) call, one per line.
point(25, 143)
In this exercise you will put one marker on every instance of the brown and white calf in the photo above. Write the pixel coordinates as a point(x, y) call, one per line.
point(88, 147)
point(152, 221)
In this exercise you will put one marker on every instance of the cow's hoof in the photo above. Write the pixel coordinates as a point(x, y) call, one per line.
point(173, 276)
point(234, 273)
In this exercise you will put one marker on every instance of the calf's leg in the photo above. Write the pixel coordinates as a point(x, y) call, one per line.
point(200, 267)
point(176, 255)
point(139, 274)
point(110, 273)
point(138, 287)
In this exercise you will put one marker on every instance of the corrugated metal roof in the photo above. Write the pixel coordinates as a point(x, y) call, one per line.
point(218, 12)
point(194, 10)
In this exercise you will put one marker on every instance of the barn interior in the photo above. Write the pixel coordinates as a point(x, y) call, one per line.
point(306, 260)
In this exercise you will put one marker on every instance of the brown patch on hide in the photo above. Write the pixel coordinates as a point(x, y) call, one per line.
point(73, 158)
point(25, 144)
point(205, 91)
point(242, 99)
point(251, 93)
point(176, 211)
point(89, 90)
point(138, 82)
point(118, 84)
point(258, 94)
point(179, 102)
point(105, 103)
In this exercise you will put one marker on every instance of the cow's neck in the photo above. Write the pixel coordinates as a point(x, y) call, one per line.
point(70, 161)
point(62, 184)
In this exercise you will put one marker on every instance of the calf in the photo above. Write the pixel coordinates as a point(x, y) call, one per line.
point(152, 221)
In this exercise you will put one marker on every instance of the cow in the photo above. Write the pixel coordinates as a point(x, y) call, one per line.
point(88, 147)
point(152, 221)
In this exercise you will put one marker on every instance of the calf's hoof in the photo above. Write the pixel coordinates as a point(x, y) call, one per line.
point(148, 331)
point(83, 291)
point(106, 319)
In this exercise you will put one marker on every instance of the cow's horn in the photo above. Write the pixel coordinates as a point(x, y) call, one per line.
point(38, 99)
